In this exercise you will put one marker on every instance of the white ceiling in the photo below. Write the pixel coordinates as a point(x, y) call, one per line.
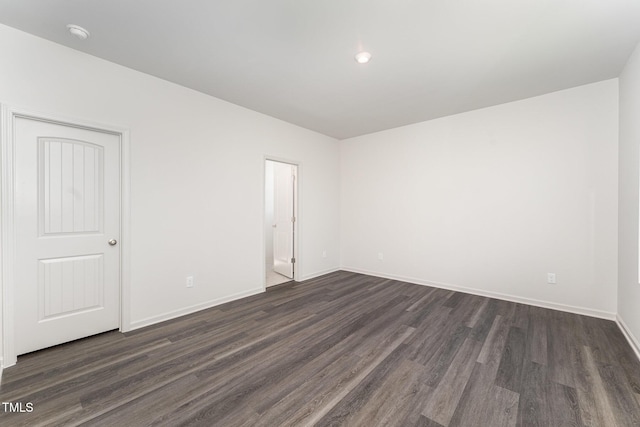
point(293, 59)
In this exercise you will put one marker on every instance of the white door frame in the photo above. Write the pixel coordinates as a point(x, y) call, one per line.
point(297, 206)
point(7, 237)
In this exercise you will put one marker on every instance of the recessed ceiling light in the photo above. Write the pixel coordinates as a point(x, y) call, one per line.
point(363, 57)
point(78, 31)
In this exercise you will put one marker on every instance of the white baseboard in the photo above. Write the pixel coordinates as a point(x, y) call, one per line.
point(192, 309)
point(497, 295)
point(318, 274)
point(633, 341)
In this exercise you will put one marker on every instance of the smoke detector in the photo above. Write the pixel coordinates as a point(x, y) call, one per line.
point(78, 31)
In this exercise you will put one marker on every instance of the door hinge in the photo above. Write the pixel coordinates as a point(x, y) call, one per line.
point(293, 219)
point(293, 260)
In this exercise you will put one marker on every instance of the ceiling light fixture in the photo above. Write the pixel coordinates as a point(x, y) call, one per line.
point(363, 57)
point(78, 31)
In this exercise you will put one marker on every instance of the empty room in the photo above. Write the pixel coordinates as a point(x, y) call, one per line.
point(297, 213)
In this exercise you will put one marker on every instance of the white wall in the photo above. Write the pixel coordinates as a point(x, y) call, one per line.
point(629, 166)
point(492, 200)
point(197, 173)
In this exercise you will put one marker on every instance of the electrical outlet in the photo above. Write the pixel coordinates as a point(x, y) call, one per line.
point(380, 256)
point(324, 254)
point(551, 278)
point(189, 281)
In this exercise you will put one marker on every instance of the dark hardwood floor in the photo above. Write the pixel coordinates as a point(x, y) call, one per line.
point(342, 349)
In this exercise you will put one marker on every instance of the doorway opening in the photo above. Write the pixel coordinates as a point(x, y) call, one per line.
point(280, 221)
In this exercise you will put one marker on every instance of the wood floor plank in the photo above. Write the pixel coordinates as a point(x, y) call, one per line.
point(454, 300)
point(532, 405)
point(621, 397)
point(327, 383)
point(50, 400)
point(467, 309)
point(625, 355)
point(32, 384)
point(422, 301)
point(521, 317)
point(36, 363)
point(391, 398)
point(314, 393)
point(340, 349)
point(538, 334)
point(564, 405)
point(483, 326)
point(546, 403)
point(212, 403)
point(318, 416)
point(118, 390)
point(423, 311)
point(349, 403)
point(426, 422)
point(493, 346)
point(155, 402)
point(441, 404)
point(442, 360)
point(509, 374)
point(356, 343)
point(485, 404)
point(559, 347)
point(592, 396)
point(472, 321)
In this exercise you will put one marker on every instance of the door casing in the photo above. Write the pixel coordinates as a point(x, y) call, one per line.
point(7, 238)
point(284, 219)
point(297, 197)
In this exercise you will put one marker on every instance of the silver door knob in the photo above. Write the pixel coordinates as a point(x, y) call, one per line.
point(113, 242)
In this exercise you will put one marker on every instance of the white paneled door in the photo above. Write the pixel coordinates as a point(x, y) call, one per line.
point(284, 218)
point(67, 231)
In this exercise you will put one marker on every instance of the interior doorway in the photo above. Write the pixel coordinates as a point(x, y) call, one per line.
point(67, 214)
point(280, 221)
point(65, 210)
